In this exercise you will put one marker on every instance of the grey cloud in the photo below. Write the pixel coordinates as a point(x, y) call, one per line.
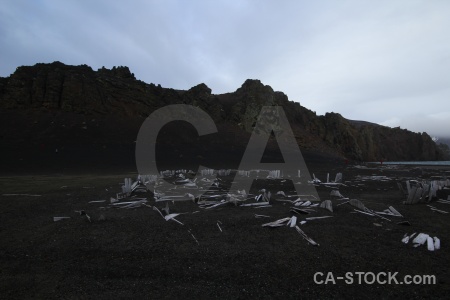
point(381, 61)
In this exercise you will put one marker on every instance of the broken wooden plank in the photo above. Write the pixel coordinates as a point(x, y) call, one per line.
point(374, 213)
point(438, 210)
point(443, 201)
point(394, 211)
point(430, 243)
point(138, 201)
point(276, 223)
point(256, 204)
point(261, 216)
point(168, 217)
point(327, 205)
point(316, 218)
point(437, 243)
point(305, 211)
point(363, 212)
point(411, 193)
point(156, 209)
point(357, 203)
point(215, 205)
point(194, 237)
point(420, 239)
point(263, 206)
point(402, 190)
point(338, 178)
point(292, 222)
point(407, 238)
point(310, 240)
point(417, 195)
point(404, 223)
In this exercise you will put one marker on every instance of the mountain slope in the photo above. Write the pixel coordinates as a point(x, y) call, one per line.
point(115, 99)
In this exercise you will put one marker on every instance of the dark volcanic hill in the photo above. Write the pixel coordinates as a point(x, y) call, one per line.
point(92, 117)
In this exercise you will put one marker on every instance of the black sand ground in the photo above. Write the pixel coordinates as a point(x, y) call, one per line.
point(135, 253)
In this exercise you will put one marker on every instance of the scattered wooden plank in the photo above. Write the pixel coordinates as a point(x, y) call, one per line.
point(408, 187)
point(420, 239)
point(263, 206)
point(411, 193)
point(430, 243)
point(194, 237)
point(417, 195)
point(292, 222)
point(438, 210)
point(310, 240)
point(407, 238)
point(215, 205)
point(303, 211)
point(256, 204)
point(404, 223)
point(261, 216)
point(357, 203)
point(363, 212)
point(276, 223)
point(156, 209)
point(327, 205)
point(394, 211)
point(437, 243)
point(316, 218)
point(443, 201)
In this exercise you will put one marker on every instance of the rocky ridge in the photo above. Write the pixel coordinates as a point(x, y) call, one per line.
point(61, 88)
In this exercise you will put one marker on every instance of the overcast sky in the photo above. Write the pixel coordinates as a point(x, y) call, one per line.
point(386, 62)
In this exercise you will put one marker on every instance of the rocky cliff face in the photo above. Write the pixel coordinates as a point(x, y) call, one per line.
point(61, 88)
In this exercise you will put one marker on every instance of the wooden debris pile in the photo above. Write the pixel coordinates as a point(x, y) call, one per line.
point(210, 190)
point(422, 191)
point(433, 243)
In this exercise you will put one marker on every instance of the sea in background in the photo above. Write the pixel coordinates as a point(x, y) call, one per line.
point(418, 163)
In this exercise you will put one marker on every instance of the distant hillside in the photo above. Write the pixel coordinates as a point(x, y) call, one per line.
point(445, 141)
point(111, 104)
point(444, 145)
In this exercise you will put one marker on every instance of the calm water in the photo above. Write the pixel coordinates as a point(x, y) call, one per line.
point(428, 163)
